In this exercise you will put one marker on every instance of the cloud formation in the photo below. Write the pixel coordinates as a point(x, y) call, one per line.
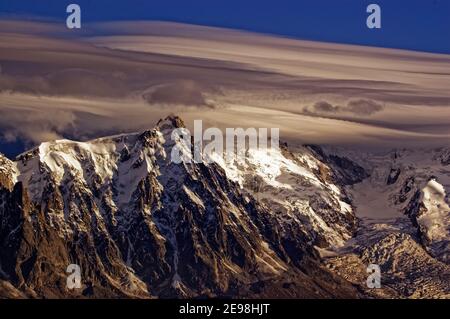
point(124, 76)
point(359, 107)
point(186, 93)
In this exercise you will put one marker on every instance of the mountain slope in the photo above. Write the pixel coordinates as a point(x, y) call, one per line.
point(404, 223)
point(139, 225)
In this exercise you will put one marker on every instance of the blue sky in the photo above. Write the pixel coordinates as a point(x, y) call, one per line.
point(422, 25)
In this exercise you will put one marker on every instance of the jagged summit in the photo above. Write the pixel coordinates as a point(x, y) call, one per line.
point(172, 121)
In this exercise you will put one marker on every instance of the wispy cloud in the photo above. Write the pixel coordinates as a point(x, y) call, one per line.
point(360, 107)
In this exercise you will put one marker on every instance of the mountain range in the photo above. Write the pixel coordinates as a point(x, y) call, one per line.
point(301, 221)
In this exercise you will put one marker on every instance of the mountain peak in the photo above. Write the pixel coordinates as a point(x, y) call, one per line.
point(171, 122)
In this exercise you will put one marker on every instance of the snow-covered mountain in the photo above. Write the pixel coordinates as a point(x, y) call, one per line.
point(140, 225)
point(414, 183)
point(286, 223)
point(404, 222)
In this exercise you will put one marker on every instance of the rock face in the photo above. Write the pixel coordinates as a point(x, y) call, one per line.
point(139, 225)
point(430, 213)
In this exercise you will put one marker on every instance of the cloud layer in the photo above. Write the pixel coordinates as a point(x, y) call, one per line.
point(124, 76)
